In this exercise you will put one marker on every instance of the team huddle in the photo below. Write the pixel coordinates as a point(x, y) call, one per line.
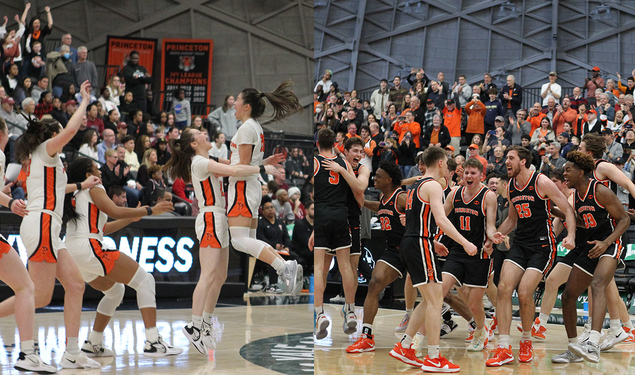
point(443, 233)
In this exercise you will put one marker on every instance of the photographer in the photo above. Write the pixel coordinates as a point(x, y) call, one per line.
point(495, 138)
point(406, 123)
point(407, 150)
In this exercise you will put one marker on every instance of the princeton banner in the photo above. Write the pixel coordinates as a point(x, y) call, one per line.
point(187, 65)
point(119, 48)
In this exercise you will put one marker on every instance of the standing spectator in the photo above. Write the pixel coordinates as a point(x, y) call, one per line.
point(136, 77)
point(443, 86)
point(379, 98)
point(593, 125)
point(181, 109)
point(223, 119)
point(550, 110)
point(593, 83)
point(35, 61)
point(109, 143)
point(420, 77)
point(613, 149)
point(94, 121)
point(474, 153)
point(535, 116)
point(325, 82)
point(577, 98)
point(293, 164)
point(42, 85)
point(407, 152)
point(11, 49)
point(511, 96)
point(462, 91)
point(10, 81)
point(580, 122)
point(564, 113)
point(519, 126)
point(630, 84)
point(294, 200)
point(397, 94)
point(300, 239)
point(67, 39)
point(431, 111)
point(409, 125)
point(476, 111)
point(494, 109)
point(85, 70)
point(452, 120)
point(35, 33)
point(551, 90)
point(388, 117)
point(284, 212)
point(486, 86)
point(62, 74)
point(417, 111)
point(565, 145)
point(219, 148)
point(369, 147)
point(436, 94)
point(88, 147)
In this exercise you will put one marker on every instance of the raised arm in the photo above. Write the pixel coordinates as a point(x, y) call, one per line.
point(56, 144)
point(49, 17)
point(239, 170)
point(26, 11)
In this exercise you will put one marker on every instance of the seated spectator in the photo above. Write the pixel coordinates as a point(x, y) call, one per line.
point(274, 232)
point(535, 116)
point(122, 132)
point(142, 144)
point(496, 163)
point(28, 108)
point(272, 187)
point(94, 122)
point(126, 106)
point(153, 185)
point(307, 190)
point(23, 90)
point(45, 105)
point(107, 102)
point(131, 158)
point(116, 172)
point(437, 135)
point(69, 92)
point(296, 205)
point(109, 143)
point(111, 121)
point(163, 155)
point(42, 85)
point(89, 145)
point(135, 122)
point(16, 124)
point(543, 134)
point(197, 123)
point(300, 239)
point(281, 179)
point(552, 159)
point(58, 114)
point(118, 195)
point(294, 163)
point(497, 140)
point(219, 148)
point(390, 151)
point(148, 160)
point(166, 196)
point(284, 211)
point(178, 188)
point(473, 149)
point(78, 139)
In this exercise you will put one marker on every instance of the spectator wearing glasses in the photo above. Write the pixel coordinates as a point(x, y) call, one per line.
point(519, 126)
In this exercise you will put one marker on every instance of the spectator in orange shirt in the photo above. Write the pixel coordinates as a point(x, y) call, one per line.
point(473, 150)
point(352, 131)
point(452, 120)
point(476, 111)
point(340, 137)
point(535, 115)
point(409, 125)
point(564, 113)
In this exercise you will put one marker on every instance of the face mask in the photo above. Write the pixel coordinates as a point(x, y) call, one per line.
point(67, 55)
point(318, 110)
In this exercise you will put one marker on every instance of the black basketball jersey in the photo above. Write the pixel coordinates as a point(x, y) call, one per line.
point(419, 219)
point(606, 182)
point(388, 215)
point(534, 223)
point(331, 190)
point(354, 209)
point(442, 237)
point(597, 222)
point(469, 219)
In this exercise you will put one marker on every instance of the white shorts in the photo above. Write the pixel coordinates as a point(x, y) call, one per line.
point(40, 234)
point(212, 230)
point(91, 258)
point(244, 198)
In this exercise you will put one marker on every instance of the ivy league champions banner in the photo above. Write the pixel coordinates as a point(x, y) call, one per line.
point(187, 65)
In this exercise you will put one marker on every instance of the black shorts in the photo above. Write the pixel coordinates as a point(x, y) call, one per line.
point(439, 261)
point(539, 256)
point(356, 237)
point(417, 254)
point(332, 235)
point(570, 258)
point(472, 272)
point(588, 265)
point(392, 258)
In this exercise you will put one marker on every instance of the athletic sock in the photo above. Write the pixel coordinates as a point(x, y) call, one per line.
point(197, 321)
point(278, 265)
point(503, 341)
point(614, 325)
point(628, 324)
point(573, 340)
point(409, 311)
point(367, 329)
point(590, 321)
point(71, 345)
point(349, 307)
point(433, 351)
point(543, 319)
point(27, 347)
point(95, 337)
point(594, 337)
point(152, 334)
point(319, 310)
point(406, 341)
point(525, 336)
point(207, 317)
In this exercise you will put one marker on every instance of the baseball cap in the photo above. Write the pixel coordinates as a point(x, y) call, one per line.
point(565, 134)
point(449, 101)
point(122, 125)
point(474, 145)
point(607, 131)
point(595, 69)
point(450, 148)
point(552, 73)
point(429, 101)
point(71, 102)
point(499, 118)
point(8, 100)
point(592, 111)
point(619, 160)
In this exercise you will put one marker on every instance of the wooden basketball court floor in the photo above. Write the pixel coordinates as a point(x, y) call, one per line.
point(265, 335)
point(331, 357)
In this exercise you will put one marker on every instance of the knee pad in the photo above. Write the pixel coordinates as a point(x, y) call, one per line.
point(243, 243)
point(143, 283)
point(111, 300)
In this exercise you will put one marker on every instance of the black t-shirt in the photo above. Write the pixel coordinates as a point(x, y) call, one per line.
point(273, 234)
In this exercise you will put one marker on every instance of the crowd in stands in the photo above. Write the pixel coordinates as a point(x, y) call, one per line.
point(481, 121)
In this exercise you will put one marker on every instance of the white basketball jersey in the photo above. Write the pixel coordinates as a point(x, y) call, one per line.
point(46, 182)
point(249, 133)
point(207, 189)
point(91, 220)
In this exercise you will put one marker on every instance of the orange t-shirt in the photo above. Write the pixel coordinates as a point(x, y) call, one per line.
point(434, 137)
point(452, 120)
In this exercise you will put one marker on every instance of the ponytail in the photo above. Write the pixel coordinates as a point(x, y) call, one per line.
point(76, 172)
point(283, 100)
point(179, 165)
point(37, 132)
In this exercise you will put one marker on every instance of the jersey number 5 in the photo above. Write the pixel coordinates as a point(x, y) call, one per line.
point(523, 210)
point(385, 223)
point(334, 178)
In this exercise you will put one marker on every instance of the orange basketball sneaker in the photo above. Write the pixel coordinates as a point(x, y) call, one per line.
point(440, 364)
point(406, 356)
point(364, 344)
point(501, 357)
point(537, 331)
point(526, 352)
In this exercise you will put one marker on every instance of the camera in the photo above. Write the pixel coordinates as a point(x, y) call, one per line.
point(492, 132)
